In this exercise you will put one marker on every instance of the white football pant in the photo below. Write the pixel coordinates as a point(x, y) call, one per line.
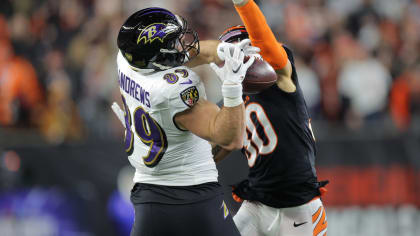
point(257, 219)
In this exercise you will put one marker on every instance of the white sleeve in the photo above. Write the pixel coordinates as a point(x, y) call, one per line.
point(186, 93)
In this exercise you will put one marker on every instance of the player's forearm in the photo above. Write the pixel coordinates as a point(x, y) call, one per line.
point(208, 54)
point(260, 34)
point(255, 22)
point(229, 126)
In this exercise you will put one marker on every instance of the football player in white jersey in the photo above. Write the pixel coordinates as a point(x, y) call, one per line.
point(169, 125)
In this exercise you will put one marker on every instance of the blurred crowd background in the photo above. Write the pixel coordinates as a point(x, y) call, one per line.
point(358, 60)
point(358, 64)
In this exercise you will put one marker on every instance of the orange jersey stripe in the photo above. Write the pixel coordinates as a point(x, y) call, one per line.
point(316, 214)
point(322, 223)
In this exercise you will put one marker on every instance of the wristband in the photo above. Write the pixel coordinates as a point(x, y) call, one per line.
point(232, 102)
point(232, 90)
point(232, 94)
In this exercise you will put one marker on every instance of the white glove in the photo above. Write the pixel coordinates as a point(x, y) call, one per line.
point(232, 73)
point(249, 50)
point(245, 45)
point(118, 112)
point(221, 49)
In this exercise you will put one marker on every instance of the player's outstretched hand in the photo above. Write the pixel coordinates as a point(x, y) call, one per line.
point(234, 68)
point(221, 49)
point(232, 73)
point(249, 50)
point(245, 45)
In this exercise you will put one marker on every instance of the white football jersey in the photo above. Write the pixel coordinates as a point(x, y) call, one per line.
point(161, 152)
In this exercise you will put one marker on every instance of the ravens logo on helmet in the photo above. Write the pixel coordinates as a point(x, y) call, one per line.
point(155, 38)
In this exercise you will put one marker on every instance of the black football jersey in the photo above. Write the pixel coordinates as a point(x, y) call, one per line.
point(280, 148)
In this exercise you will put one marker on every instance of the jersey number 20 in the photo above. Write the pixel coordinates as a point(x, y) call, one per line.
point(260, 137)
point(149, 132)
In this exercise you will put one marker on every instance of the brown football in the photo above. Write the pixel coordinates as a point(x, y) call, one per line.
point(260, 76)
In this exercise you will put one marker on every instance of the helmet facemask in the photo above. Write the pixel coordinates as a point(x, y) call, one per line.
point(178, 52)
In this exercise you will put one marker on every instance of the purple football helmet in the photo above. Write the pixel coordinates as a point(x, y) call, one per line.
point(155, 38)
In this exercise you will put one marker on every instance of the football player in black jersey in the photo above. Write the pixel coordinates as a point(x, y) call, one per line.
point(281, 195)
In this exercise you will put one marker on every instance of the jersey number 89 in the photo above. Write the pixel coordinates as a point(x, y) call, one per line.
point(149, 132)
